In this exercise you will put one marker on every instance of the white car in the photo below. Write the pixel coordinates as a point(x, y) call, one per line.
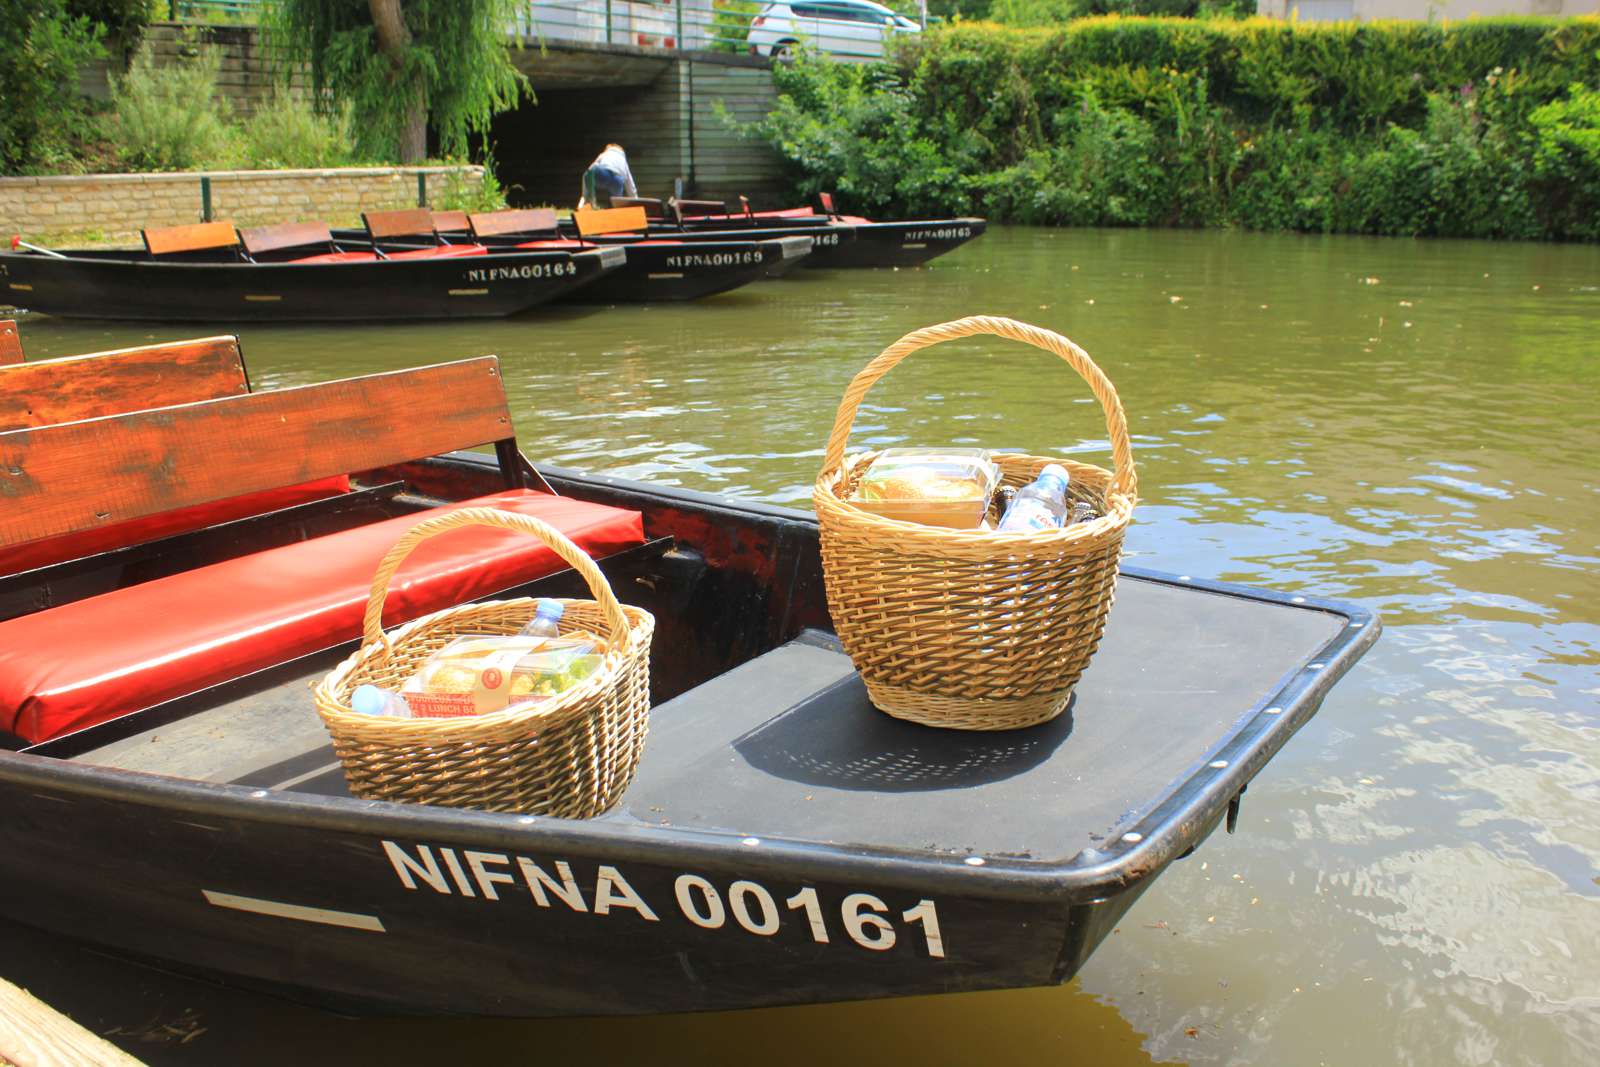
point(851, 29)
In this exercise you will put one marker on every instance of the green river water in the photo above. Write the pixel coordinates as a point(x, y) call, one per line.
point(1412, 425)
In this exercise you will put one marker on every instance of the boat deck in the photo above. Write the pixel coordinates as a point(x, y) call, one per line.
point(787, 746)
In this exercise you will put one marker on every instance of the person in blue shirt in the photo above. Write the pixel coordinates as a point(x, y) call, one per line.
point(606, 177)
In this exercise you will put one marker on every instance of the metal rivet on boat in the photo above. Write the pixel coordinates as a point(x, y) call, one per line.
point(1218, 764)
point(974, 861)
point(751, 841)
point(1132, 838)
point(259, 793)
point(1273, 711)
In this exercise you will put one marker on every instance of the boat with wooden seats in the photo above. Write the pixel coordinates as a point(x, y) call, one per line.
point(212, 272)
point(895, 243)
point(167, 791)
point(658, 269)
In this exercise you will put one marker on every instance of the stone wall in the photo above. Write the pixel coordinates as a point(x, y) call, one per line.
point(114, 207)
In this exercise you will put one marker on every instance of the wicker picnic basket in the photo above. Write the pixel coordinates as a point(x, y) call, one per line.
point(973, 629)
point(572, 755)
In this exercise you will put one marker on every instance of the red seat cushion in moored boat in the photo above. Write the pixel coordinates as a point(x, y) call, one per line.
point(92, 660)
point(440, 252)
point(25, 557)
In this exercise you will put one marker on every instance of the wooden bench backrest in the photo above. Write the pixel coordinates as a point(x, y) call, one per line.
point(84, 475)
point(826, 200)
point(49, 391)
point(410, 222)
point(652, 207)
point(687, 208)
point(165, 240)
point(450, 221)
point(285, 235)
point(610, 220)
point(10, 343)
point(517, 220)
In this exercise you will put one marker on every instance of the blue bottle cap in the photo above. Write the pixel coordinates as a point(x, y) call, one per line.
point(550, 609)
point(370, 700)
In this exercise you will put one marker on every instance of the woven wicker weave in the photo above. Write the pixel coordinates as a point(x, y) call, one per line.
point(571, 756)
point(973, 629)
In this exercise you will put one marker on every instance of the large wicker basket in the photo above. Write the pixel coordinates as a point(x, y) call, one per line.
point(571, 756)
point(973, 629)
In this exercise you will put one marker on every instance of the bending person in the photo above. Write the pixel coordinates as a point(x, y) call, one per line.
point(607, 176)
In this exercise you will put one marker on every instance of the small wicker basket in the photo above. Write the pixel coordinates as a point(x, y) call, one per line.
point(973, 629)
point(571, 756)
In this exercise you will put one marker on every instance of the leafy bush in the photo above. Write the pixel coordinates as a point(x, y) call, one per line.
point(288, 132)
point(168, 118)
point(1566, 161)
point(730, 24)
point(1486, 128)
point(40, 111)
point(456, 193)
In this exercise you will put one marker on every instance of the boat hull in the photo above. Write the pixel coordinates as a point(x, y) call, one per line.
point(690, 270)
point(130, 286)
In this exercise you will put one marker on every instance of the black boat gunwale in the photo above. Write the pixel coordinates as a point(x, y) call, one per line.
point(1188, 811)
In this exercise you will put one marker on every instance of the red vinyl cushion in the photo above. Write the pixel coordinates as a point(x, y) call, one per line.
point(25, 557)
point(440, 252)
point(92, 660)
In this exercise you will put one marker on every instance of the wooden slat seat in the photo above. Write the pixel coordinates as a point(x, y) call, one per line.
point(197, 237)
point(261, 239)
point(91, 660)
point(515, 220)
point(410, 222)
point(450, 222)
point(691, 208)
point(594, 221)
point(10, 343)
point(51, 391)
point(653, 208)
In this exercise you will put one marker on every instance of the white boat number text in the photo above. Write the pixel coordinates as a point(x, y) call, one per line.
point(946, 233)
point(528, 270)
point(713, 259)
point(861, 918)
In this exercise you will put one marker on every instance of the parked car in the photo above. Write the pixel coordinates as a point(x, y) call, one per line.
point(855, 29)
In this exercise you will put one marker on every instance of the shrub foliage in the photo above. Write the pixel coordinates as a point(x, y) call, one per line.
point(1486, 128)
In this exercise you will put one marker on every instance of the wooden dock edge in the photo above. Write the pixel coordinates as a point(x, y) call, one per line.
point(33, 1034)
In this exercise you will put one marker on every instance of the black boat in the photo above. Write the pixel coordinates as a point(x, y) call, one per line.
point(782, 843)
point(207, 278)
point(658, 268)
point(899, 243)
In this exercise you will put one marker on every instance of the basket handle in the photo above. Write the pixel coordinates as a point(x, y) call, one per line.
point(1123, 481)
point(577, 558)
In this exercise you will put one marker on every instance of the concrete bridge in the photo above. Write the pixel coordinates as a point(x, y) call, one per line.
point(654, 77)
point(671, 82)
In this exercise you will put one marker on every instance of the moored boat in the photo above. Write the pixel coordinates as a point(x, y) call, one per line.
point(204, 278)
point(171, 793)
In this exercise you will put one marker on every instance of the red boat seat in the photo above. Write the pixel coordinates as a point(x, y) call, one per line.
point(30, 554)
point(440, 252)
point(93, 660)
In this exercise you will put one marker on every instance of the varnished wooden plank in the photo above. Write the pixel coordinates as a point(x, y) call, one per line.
point(49, 391)
point(524, 220)
point(32, 1032)
point(405, 223)
point(652, 206)
point(285, 235)
point(84, 475)
point(450, 221)
point(610, 220)
point(10, 343)
point(164, 240)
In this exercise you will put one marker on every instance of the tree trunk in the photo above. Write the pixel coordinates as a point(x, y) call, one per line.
point(393, 40)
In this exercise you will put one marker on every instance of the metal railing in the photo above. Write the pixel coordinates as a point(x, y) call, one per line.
point(744, 27)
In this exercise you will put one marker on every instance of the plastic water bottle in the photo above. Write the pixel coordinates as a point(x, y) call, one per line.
point(372, 700)
point(1040, 505)
point(546, 620)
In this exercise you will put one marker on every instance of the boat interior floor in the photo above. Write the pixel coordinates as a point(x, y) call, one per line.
point(787, 745)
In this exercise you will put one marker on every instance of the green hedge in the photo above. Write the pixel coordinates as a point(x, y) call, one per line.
point(1489, 127)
